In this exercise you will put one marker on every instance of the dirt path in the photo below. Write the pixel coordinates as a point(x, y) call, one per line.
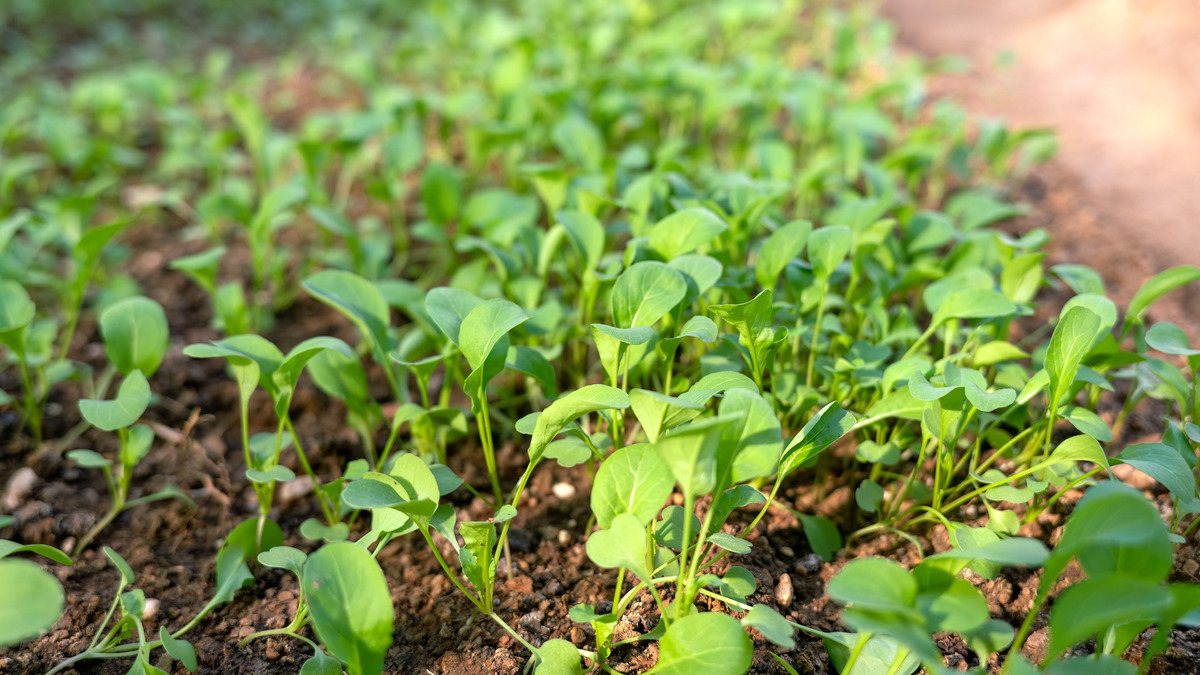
point(1120, 81)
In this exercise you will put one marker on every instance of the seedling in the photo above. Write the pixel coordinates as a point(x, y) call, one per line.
point(135, 337)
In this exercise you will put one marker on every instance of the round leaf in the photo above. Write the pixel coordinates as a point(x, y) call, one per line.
point(33, 600)
point(709, 643)
point(135, 334)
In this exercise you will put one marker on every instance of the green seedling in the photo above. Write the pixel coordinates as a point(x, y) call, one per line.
point(232, 574)
point(135, 338)
point(255, 363)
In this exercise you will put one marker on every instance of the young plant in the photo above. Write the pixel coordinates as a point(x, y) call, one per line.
point(232, 574)
point(135, 338)
point(255, 363)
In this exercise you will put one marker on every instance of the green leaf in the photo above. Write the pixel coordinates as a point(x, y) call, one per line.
point(132, 400)
point(622, 544)
point(180, 650)
point(284, 557)
point(582, 401)
point(531, 362)
point(243, 544)
point(135, 334)
point(1079, 449)
point(771, 624)
point(711, 643)
point(754, 443)
point(691, 452)
point(729, 542)
point(479, 540)
point(822, 431)
point(877, 656)
point(868, 495)
point(8, 548)
point(1088, 422)
point(1157, 286)
point(780, 248)
point(202, 267)
point(1071, 341)
point(315, 530)
point(579, 140)
point(685, 231)
point(558, 657)
point(633, 480)
point(16, 309)
point(33, 601)
point(873, 584)
point(1097, 603)
point(654, 409)
point(350, 605)
point(973, 304)
point(484, 327)
point(1164, 464)
point(586, 235)
point(358, 299)
point(119, 563)
point(89, 459)
point(1080, 278)
point(957, 607)
point(1010, 552)
point(371, 493)
point(448, 307)
point(644, 293)
point(276, 474)
point(321, 664)
point(289, 369)
point(1169, 339)
point(1102, 307)
point(441, 192)
point(827, 248)
point(700, 273)
point(822, 534)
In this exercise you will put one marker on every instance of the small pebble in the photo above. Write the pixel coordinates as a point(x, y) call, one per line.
point(295, 489)
point(783, 590)
point(151, 608)
point(787, 552)
point(809, 564)
point(564, 538)
point(1190, 567)
point(19, 487)
point(563, 490)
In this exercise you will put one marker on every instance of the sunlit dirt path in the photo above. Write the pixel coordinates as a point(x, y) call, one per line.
point(1120, 81)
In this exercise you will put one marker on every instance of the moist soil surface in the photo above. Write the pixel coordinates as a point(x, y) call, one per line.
point(172, 547)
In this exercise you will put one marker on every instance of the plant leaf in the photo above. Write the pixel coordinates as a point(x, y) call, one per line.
point(180, 650)
point(644, 293)
point(633, 480)
point(132, 400)
point(1164, 464)
point(33, 601)
point(1156, 287)
point(622, 544)
point(781, 247)
point(350, 605)
point(711, 643)
point(135, 334)
point(685, 231)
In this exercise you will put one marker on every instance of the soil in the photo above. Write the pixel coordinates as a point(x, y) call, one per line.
point(172, 547)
